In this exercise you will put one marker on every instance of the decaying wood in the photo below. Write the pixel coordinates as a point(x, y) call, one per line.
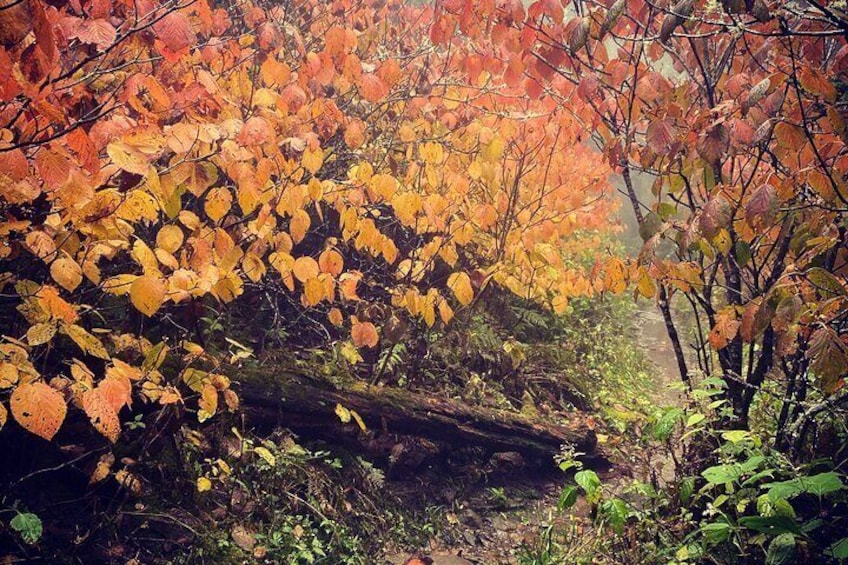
point(301, 402)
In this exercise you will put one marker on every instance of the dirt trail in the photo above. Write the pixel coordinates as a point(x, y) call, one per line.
point(493, 521)
point(651, 335)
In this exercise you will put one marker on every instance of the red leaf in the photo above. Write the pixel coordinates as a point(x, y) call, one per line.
point(661, 135)
point(714, 216)
point(98, 32)
point(713, 145)
point(174, 29)
point(53, 167)
point(762, 207)
point(372, 88)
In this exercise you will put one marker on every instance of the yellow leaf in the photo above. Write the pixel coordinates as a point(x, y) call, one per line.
point(3, 415)
point(722, 241)
point(343, 413)
point(208, 403)
point(203, 484)
point(129, 481)
point(128, 158)
point(312, 160)
point(40, 334)
point(646, 285)
point(66, 272)
point(9, 375)
point(253, 267)
point(266, 455)
point(350, 353)
point(87, 342)
point(138, 205)
point(299, 225)
point(147, 294)
point(103, 468)
point(305, 268)
point(432, 152)
point(144, 256)
point(119, 285)
point(218, 202)
point(169, 238)
point(493, 150)
point(359, 422)
point(38, 408)
point(313, 291)
point(460, 284)
point(195, 379)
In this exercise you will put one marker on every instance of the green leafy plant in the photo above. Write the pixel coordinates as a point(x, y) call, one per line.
point(28, 526)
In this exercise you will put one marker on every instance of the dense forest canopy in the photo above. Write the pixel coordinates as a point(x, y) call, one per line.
point(189, 186)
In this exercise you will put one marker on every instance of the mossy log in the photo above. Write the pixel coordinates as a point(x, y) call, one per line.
point(307, 404)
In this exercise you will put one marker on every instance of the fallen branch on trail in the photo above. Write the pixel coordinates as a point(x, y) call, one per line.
point(308, 404)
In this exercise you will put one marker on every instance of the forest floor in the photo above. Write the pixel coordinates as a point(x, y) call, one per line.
point(512, 518)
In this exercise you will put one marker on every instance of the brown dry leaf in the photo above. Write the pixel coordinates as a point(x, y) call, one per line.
point(243, 538)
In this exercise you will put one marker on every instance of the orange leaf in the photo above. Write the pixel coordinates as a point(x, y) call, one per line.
point(372, 88)
point(102, 414)
point(116, 392)
point(364, 334)
point(39, 409)
point(335, 317)
point(305, 268)
point(725, 329)
point(331, 262)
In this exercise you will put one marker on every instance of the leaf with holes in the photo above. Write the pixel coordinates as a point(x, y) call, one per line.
point(38, 408)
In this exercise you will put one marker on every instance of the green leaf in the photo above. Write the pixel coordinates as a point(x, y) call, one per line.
point(781, 550)
point(716, 532)
point(590, 483)
point(29, 527)
point(567, 498)
point(839, 550)
point(687, 486)
point(694, 419)
point(663, 424)
point(736, 436)
point(615, 513)
point(819, 485)
point(826, 281)
point(773, 525)
point(721, 474)
point(742, 251)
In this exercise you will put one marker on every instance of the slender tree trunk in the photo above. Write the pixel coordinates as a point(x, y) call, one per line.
point(662, 295)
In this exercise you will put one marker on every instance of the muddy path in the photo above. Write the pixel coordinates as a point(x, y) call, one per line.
point(501, 518)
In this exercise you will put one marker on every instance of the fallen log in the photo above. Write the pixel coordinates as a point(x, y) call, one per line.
point(303, 402)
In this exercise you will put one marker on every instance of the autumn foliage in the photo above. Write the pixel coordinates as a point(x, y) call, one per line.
point(159, 158)
point(735, 111)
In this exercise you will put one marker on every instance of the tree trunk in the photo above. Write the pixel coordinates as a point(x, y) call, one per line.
point(307, 404)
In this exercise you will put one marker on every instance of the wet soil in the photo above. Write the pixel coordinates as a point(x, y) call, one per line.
point(496, 520)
